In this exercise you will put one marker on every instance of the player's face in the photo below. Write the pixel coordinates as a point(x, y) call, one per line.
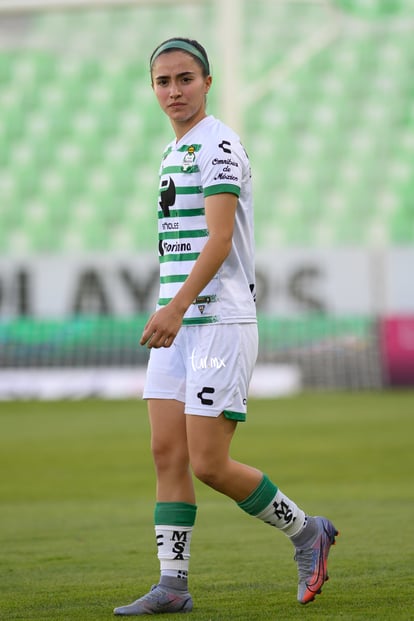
point(181, 89)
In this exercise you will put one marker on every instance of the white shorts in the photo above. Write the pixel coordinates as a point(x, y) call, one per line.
point(208, 368)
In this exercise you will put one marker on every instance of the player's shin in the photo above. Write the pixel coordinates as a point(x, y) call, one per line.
point(270, 505)
point(174, 523)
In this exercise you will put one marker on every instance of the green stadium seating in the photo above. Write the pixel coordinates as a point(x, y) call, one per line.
point(331, 143)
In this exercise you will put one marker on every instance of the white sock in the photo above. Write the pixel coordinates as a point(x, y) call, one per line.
point(174, 549)
point(284, 514)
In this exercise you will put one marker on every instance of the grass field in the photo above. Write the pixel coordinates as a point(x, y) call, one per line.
point(77, 487)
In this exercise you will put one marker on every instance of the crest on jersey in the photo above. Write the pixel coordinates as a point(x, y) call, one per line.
point(203, 300)
point(189, 159)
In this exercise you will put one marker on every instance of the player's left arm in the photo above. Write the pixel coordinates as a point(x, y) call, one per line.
point(163, 326)
point(220, 211)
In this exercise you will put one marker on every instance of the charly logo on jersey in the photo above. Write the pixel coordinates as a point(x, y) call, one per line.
point(189, 159)
point(225, 146)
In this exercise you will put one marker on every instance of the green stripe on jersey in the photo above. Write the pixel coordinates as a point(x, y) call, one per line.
point(173, 278)
point(166, 153)
point(199, 321)
point(190, 256)
point(192, 189)
point(169, 170)
point(199, 300)
point(183, 234)
point(182, 149)
point(185, 147)
point(182, 213)
point(222, 188)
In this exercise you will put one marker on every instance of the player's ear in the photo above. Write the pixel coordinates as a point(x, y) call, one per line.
point(208, 82)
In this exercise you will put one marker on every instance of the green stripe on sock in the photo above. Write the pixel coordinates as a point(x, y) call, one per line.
point(175, 513)
point(260, 498)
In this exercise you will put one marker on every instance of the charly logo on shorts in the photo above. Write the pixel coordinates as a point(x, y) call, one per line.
point(209, 390)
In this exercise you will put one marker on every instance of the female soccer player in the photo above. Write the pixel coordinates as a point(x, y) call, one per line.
point(203, 337)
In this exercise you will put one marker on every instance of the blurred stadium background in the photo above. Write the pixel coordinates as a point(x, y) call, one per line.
point(322, 92)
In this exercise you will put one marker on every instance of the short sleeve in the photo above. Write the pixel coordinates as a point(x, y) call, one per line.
point(222, 167)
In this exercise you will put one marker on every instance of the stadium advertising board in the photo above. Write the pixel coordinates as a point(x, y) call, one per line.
point(289, 282)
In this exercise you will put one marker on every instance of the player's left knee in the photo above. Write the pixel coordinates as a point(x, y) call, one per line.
point(208, 472)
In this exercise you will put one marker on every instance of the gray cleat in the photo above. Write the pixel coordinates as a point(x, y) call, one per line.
point(313, 561)
point(157, 601)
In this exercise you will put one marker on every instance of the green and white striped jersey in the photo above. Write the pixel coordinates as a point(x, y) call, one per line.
point(208, 160)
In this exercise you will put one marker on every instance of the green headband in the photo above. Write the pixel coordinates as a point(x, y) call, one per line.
point(181, 45)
